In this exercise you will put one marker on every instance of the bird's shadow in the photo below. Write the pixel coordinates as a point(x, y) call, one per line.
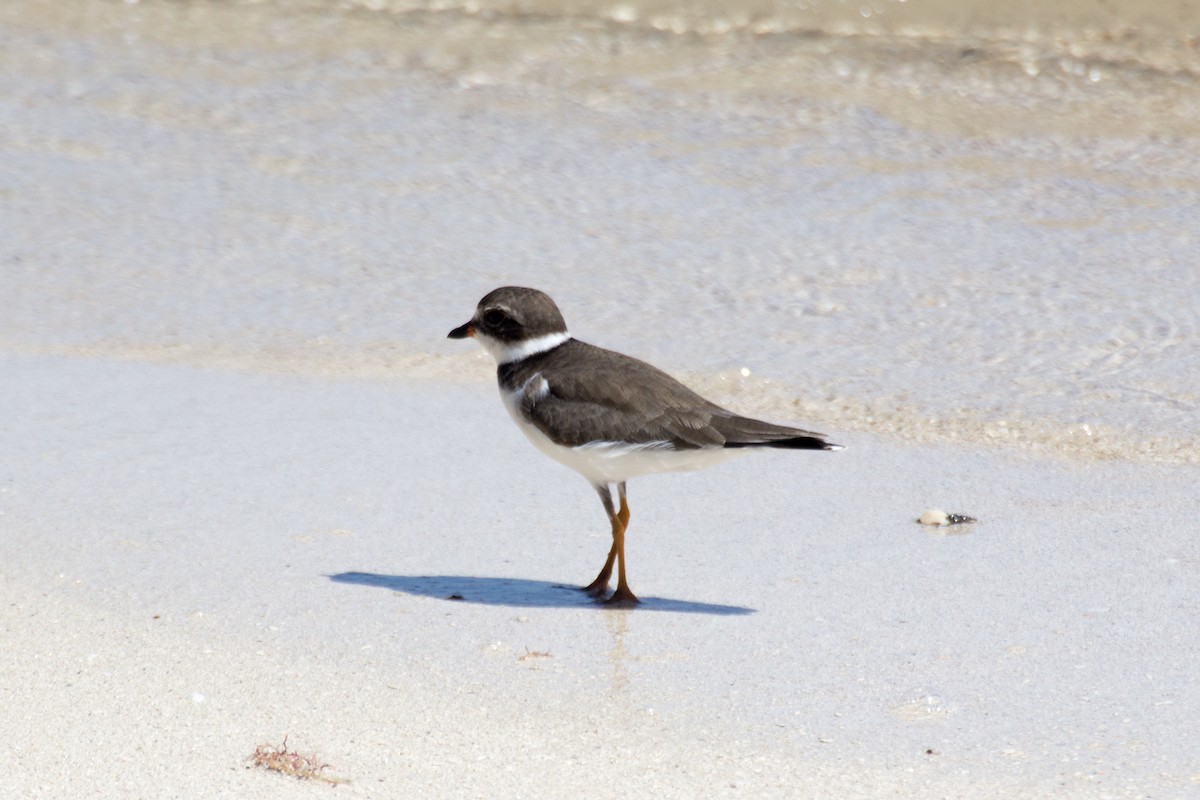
point(517, 592)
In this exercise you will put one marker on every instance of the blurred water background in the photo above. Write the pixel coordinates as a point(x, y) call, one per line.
point(970, 221)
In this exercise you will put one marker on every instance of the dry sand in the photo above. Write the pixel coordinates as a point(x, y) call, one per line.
point(198, 562)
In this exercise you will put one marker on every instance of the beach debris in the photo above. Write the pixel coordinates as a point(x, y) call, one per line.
point(289, 762)
point(455, 596)
point(935, 516)
point(530, 654)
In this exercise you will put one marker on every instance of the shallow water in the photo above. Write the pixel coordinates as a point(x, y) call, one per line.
point(947, 230)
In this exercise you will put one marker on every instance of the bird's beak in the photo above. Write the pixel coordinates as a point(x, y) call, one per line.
point(462, 332)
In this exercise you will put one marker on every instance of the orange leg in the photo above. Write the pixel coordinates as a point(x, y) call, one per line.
point(599, 587)
point(619, 518)
point(622, 596)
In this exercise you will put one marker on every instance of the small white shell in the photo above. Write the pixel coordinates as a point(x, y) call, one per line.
point(934, 516)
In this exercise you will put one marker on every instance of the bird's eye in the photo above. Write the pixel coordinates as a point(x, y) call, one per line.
point(494, 317)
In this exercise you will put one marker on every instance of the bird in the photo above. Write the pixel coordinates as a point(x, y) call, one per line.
point(608, 416)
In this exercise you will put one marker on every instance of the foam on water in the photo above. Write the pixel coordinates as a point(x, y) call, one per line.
point(1159, 34)
point(893, 233)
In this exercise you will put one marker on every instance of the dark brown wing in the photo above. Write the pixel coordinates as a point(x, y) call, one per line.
point(621, 399)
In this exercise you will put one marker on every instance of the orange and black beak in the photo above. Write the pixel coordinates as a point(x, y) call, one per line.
point(462, 332)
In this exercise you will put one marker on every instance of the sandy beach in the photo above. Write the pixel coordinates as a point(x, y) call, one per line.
point(199, 562)
point(248, 490)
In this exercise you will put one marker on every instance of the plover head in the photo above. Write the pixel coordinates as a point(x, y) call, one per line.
point(513, 322)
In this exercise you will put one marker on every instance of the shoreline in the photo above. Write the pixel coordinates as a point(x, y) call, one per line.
point(748, 394)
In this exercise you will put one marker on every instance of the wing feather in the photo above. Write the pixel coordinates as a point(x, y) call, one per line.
point(617, 398)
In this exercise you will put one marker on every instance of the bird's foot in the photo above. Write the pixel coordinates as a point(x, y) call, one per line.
point(595, 589)
point(622, 598)
point(598, 587)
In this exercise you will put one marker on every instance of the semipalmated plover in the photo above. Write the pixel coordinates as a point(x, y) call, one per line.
point(607, 416)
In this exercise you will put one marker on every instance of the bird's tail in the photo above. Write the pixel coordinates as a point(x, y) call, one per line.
point(746, 432)
point(794, 443)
